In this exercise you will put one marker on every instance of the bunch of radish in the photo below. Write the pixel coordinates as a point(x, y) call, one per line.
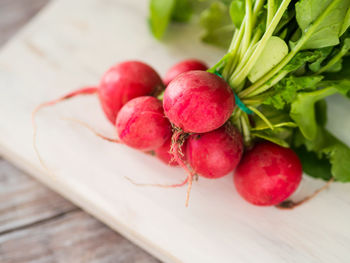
point(247, 114)
point(191, 126)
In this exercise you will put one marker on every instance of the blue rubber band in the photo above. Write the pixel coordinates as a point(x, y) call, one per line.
point(218, 74)
point(239, 103)
point(242, 106)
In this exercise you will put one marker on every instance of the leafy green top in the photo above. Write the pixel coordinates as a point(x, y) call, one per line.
point(284, 58)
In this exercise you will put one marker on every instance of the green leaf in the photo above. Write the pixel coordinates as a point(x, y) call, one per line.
point(313, 165)
point(160, 15)
point(277, 118)
point(342, 86)
point(296, 66)
point(303, 110)
point(325, 145)
point(162, 12)
point(328, 30)
point(285, 92)
point(301, 59)
point(344, 73)
point(336, 67)
point(275, 50)
point(339, 155)
point(281, 136)
point(324, 52)
point(287, 23)
point(217, 24)
point(346, 23)
point(237, 12)
point(335, 60)
point(321, 112)
point(182, 11)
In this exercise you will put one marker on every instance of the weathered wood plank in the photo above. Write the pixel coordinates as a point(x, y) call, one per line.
point(15, 13)
point(24, 201)
point(37, 225)
point(74, 237)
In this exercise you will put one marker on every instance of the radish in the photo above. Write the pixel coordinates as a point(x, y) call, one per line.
point(268, 174)
point(121, 83)
point(141, 124)
point(163, 153)
point(183, 66)
point(198, 101)
point(216, 153)
point(125, 81)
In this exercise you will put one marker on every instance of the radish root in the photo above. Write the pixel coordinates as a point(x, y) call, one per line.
point(177, 140)
point(83, 91)
point(92, 130)
point(289, 204)
point(158, 185)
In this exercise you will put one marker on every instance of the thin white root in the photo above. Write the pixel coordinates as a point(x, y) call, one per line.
point(92, 130)
point(158, 185)
point(290, 204)
point(83, 91)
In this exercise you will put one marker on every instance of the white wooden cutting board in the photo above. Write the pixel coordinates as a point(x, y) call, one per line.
point(70, 44)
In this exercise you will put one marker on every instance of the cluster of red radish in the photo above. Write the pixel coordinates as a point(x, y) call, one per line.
point(191, 127)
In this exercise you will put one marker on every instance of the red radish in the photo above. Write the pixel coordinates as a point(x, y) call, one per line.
point(268, 174)
point(163, 153)
point(141, 124)
point(216, 153)
point(184, 66)
point(125, 81)
point(198, 101)
point(121, 83)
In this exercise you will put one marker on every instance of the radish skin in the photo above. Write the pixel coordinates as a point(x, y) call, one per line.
point(268, 174)
point(216, 153)
point(125, 81)
point(163, 153)
point(184, 66)
point(198, 101)
point(141, 124)
point(121, 83)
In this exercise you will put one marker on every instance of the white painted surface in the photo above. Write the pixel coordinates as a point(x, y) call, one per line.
point(70, 45)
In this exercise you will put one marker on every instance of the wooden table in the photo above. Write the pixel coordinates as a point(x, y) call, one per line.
point(37, 225)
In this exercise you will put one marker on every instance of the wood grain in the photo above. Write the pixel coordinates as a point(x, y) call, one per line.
point(24, 201)
point(73, 237)
point(15, 13)
point(38, 225)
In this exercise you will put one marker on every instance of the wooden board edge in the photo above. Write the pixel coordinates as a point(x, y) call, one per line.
point(91, 208)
